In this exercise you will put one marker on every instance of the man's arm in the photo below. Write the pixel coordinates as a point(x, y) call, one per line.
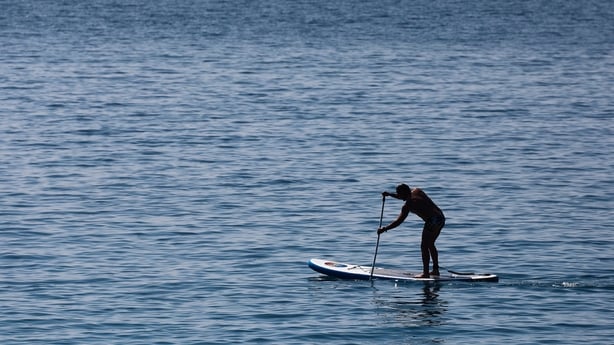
point(394, 195)
point(400, 219)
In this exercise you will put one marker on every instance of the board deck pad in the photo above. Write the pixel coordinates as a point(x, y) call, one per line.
point(357, 272)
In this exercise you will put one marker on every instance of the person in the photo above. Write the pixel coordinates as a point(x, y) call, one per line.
point(416, 201)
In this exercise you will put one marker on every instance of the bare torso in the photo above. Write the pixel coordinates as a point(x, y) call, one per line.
point(420, 204)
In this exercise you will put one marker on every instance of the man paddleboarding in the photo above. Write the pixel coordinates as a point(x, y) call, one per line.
point(417, 202)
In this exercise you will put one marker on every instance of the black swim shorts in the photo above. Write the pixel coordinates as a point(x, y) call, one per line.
point(435, 223)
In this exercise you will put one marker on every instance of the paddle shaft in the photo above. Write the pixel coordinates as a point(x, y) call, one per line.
point(381, 216)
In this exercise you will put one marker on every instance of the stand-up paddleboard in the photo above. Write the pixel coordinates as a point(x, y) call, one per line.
point(348, 271)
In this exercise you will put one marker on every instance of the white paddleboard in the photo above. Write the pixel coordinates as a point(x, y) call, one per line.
point(357, 272)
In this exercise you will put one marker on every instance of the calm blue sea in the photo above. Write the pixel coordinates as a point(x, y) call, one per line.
point(167, 168)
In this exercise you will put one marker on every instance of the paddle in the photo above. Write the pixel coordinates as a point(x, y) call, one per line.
point(381, 216)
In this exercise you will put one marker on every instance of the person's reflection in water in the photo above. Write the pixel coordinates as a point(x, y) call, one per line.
point(423, 309)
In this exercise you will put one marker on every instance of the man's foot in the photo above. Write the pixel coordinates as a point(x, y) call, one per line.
point(434, 273)
point(423, 275)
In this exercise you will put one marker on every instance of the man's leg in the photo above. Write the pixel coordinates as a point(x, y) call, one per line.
point(433, 250)
point(435, 257)
point(430, 232)
point(425, 248)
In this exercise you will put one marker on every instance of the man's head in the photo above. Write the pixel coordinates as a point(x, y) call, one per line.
point(403, 191)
